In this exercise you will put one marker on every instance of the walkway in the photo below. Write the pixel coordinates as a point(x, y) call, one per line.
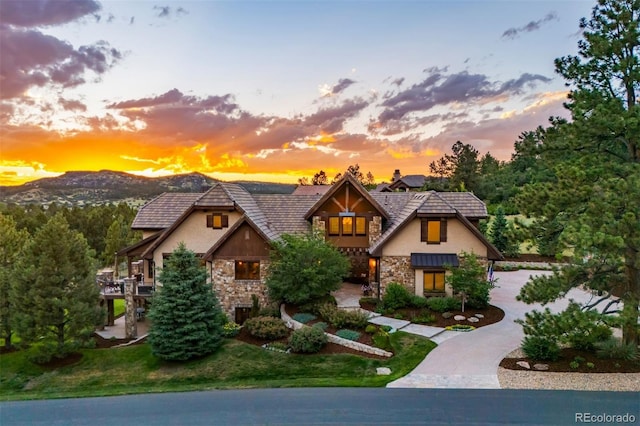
point(117, 330)
point(470, 360)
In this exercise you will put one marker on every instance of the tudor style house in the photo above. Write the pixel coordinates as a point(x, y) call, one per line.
point(404, 237)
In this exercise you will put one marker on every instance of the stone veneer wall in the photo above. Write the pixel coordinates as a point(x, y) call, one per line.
point(375, 229)
point(232, 293)
point(318, 225)
point(396, 269)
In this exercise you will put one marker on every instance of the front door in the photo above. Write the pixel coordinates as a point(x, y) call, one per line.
point(242, 314)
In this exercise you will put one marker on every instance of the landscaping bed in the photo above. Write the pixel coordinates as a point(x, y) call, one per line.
point(583, 362)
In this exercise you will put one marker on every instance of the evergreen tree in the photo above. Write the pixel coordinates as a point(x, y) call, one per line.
point(594, 195)
point(498, 232)
point(185, 313)
point(119, 235)
point(54, 296)
point(304, 268)
point(12, 242)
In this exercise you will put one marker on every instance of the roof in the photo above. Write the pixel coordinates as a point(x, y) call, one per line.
point(412, 181)
point(311, 189)
point(162, 211)
point(431, 260)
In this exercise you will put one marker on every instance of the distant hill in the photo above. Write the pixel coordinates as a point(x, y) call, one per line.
point(106, 186)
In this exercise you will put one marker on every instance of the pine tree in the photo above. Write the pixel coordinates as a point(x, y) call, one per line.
point(54, 295)
point(12, 242)
point(593, 196)
point(498, 232)
point(186, 319)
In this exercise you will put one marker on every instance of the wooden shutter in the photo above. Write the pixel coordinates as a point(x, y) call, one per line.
point(225, 221)
point(424, 226)
point(209, 221)
point(443, 230)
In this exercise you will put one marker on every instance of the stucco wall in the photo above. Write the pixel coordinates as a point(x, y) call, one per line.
point(459, 239)
point(232, 293)
point(195, 234)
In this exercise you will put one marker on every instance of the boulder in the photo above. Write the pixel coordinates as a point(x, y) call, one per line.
point(541, 367)
point(447, 315)
point(383, 371)
point(459, 318)
point(479, 316)
point(524, 364)
point(473, 319)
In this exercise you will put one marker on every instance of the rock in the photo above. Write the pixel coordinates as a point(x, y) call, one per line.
point(541, 367)
point(479, 316)
point(447, 315)
point(473, 319)
point(524, 364)
point(383, 371)
point(459, 318)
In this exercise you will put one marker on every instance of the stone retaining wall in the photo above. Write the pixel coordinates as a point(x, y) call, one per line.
point(295, 325)
point(510, 264)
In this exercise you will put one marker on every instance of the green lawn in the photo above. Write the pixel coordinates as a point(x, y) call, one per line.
point(118, 307)
point(236, 364)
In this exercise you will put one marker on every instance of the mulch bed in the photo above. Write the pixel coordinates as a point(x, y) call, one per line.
point(567, 355)
point(329, 348)
point(492, 314)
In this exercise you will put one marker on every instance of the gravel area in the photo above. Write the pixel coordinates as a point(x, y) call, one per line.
point(514, 379)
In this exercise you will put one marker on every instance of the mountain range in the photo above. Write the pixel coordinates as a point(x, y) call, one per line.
point(106, 186)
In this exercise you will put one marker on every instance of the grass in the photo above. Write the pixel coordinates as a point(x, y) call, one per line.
point(118, 307)
point(134, 369)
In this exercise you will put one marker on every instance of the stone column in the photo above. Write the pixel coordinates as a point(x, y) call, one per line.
point(130, 325)
point(375, 229)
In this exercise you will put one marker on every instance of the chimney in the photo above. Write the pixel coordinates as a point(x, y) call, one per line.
point(396, 175)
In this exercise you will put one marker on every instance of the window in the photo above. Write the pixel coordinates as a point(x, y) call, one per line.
point(361, 226)
point(334, 226)
point(347, 225)
point(217, 221)
point(247, 270)
point(433, 231)
point(433, 282)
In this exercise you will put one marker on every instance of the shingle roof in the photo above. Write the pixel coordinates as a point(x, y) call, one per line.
point(412, 181)
point(285, 213)
point(164, 210)
point(435, 204)
point(311, 189)
point(433, 260)
point(215, 197)
point(466, 203)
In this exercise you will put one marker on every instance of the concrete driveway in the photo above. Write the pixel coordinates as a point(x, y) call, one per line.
point(470, 360)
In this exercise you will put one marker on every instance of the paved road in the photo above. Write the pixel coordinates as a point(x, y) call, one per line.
point(324, 406)
point(470, 360)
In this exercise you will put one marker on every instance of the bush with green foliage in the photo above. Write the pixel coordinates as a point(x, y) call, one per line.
point(348, 334)
point(272, 310)
point(307, 340)
point(370, 329)
point(304, 268)
point(268, 328)
point(321, 325)
point(186, 316)
point(341, 318)
point(303, 317)
point(613, 348)
point(418, 302)
point(540, 348)
point(470, 278)
point(396, 296)
point(423, 319)
point(313, 306)
point(231, 329)
point(382, 339)
point(443, 304)
point(574, 327)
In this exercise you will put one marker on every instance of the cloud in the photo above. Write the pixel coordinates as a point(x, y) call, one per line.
point(332, 119)
point(439, 89)
point(36, 13)
point(166, 12)
point(329, 91)
point(514, 32)
point(72, 105)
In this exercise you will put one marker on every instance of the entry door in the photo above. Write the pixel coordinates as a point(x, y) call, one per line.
point(242, 314)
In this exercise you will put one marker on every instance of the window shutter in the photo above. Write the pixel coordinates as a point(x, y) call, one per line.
point(443, 230)
point(424, 226)
point(209, 221)
point(225, 221)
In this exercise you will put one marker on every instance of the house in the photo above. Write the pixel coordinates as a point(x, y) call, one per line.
point(403, 183)
point(404, 237)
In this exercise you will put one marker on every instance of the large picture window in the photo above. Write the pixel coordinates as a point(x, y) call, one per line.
point(247, 270)
point(347, 226)
point(434, 281)
point(361, 226)
point(334, 226)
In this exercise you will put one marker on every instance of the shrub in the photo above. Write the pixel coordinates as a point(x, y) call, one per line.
point(266, 327)
point(423, 319)
point(418, 301)
point(321, 325)
point(348, 334)
point(540, 348)
point(314, 306)
point(574, 364)
point(386, 328)
point(370, 329)
point(591, 365)
point(230, 329)
point(586, 337)
point(272, 310)
point(470, 278)
point(307, 340)
point(341, 319)
point(396, 296)
point(370, 300)
point(613, 348)
point(443, 304)
point(381, 340)
point(304, 317)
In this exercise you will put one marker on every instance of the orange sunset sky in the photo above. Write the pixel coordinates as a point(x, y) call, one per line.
point(273, 91)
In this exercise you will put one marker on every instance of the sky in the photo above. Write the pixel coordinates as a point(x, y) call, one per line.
point(273, 90)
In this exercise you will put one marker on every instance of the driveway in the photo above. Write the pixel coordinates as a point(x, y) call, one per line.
point(470, 360)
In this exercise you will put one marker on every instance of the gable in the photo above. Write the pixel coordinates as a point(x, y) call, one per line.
point(242, 242)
